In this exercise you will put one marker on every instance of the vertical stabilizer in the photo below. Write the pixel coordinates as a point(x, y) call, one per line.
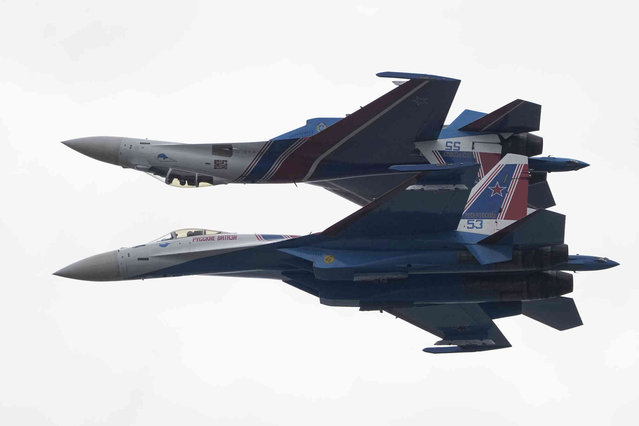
point(499, 199)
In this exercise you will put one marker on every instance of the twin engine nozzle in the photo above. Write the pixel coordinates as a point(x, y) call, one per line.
point(522, 143)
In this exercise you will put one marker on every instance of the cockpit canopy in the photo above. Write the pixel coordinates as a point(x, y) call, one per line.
point(187, 232)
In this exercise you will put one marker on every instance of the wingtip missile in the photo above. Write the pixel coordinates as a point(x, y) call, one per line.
point(555, 164)
point(586, 263)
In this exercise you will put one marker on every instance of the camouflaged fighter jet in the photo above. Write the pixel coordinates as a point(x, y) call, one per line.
point(431, 251)
point(351, 156)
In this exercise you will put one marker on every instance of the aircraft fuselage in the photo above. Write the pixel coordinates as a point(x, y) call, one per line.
point(429, 271)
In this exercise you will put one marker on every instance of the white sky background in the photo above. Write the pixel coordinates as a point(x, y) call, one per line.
point(199, 350)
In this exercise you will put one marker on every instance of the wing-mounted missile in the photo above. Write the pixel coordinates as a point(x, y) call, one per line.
point(579, 262)
point(555, 164)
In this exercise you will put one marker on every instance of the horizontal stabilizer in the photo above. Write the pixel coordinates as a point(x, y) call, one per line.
point(541, 227)
point(559, 313)
point(516, 117)
point(487, 255)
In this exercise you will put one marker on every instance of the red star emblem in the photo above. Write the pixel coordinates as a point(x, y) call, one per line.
point(497, 189)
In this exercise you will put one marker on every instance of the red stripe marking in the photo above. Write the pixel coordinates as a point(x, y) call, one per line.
point(519, 203)
point(510, 191)
point(295, 167)
point(488, 161)
point(278, 162)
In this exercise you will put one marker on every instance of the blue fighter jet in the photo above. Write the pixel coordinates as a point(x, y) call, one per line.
point(351, 156)
point(438, 251)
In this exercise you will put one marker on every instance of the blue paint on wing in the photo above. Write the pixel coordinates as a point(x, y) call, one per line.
point(312, 127)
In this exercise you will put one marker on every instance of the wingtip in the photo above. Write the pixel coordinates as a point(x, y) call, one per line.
point(413, 76)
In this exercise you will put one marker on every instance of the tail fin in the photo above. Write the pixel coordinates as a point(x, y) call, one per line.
point(516, 117)
point(499, 199)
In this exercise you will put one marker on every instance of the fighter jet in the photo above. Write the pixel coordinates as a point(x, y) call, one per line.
point(435, 251)
point(351, 156)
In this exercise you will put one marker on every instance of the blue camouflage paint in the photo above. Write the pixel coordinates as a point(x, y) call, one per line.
point(466, 117)
point(312, 127)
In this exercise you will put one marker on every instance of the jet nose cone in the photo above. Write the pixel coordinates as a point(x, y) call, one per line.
point(583, 164)
point(101, 267)
point(612, 263)
point(577, 164)
point(103, 148)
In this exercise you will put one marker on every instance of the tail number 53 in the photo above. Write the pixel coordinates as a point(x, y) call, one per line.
point(474, 223)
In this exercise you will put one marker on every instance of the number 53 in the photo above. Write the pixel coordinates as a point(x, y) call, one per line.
point(474, 223)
